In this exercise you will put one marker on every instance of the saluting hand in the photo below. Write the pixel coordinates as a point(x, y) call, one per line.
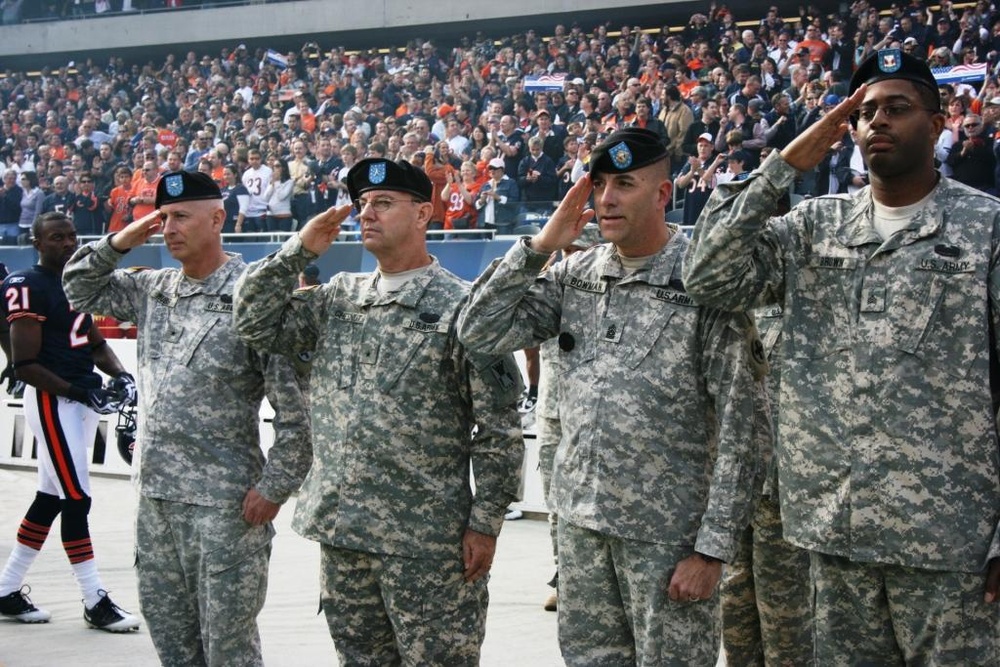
point(567, 222)
point(138, 232)
point(809, 148)
point(322, 229)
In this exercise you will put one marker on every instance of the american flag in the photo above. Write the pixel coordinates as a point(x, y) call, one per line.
point(959, 73)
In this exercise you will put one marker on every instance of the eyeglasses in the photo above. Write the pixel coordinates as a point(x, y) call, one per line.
point(86, 180)
point(894, 110)
point(971, 124)
point(380, 204)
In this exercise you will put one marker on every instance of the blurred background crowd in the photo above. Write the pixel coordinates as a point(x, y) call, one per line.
point(502, 123)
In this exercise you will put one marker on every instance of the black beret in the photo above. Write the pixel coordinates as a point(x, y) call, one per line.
point(893, 64)
point(382, 174)
point(626, 150)
point(311, 271)
point(178, 186)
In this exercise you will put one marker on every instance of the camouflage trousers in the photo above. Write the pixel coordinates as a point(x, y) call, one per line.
point(202, 582)
point(548, 433)
point(390, 610)
point(874, 614)
point(766, 596)
point(614, 609)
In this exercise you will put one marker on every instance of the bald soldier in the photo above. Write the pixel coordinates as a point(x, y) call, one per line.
point(661, 407)
point(406, 548)
point(207, 494)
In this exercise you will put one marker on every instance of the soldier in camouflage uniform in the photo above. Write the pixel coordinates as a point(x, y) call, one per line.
point(207, 494)
point(887, 457)
point(405, 546)
point(547, 427)
point(656, 469)
point(766, 592)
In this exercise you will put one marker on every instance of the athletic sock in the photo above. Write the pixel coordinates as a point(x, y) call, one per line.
point(89, 580)
point(16, 569)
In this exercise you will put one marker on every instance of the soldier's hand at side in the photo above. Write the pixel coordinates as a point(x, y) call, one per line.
point(258, 510)
point(322, 230)
point(477, 554)
point(137, 232)
point(694, 579)
point(809, 148)
point(568, 220)
point(992, 581)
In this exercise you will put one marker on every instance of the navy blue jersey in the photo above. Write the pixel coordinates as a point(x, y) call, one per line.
point(38, 293)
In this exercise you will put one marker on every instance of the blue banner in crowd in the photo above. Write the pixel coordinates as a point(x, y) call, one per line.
point(959, 73)
point(272, 57)
point(540, 82)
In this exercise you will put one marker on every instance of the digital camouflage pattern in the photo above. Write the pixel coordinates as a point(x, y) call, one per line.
point(891, 615)
point(200, 386)
point(201, 566)
point(887, 422)
point(395, 398)
point(766, 592)
point(653, 631)
point(548, 430)
point(193, 556)
point(436, 617)
point(655, 398)
point(395, 402)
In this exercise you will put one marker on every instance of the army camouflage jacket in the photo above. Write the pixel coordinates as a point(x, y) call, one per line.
point(395, 401)
point(200, 387)
point(661, 412)
point(887, 422)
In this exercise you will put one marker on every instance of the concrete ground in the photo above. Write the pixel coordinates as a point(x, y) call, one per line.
point(518, 631)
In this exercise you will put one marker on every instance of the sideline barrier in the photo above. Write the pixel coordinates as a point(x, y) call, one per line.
point(466, 259)
point(19, 449)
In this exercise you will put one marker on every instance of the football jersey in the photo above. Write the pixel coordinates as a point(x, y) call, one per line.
point(38, 293)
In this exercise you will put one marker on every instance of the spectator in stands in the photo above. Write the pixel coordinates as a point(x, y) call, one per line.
point(235, 199)
point(708, 123)
point(60, 199)
point(537, 180)
point(498, 199)
point(676, 117)
point(459, 195)
point(509, 141)
point(88, 218)
point(301, 168)
point(31, 205)
point(278, 196)
point(697, 177)
point(117, 205)
point(11, 195)
point(779, 124)
point(972, 159)
point(143, 196)
point(551, 136)
point(255, 179)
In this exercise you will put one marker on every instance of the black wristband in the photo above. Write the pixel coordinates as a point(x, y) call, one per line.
point(76, 393)
point(707, 558)
point(23, 362)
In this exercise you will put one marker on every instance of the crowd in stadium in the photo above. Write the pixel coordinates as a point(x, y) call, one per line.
point(503, 125)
